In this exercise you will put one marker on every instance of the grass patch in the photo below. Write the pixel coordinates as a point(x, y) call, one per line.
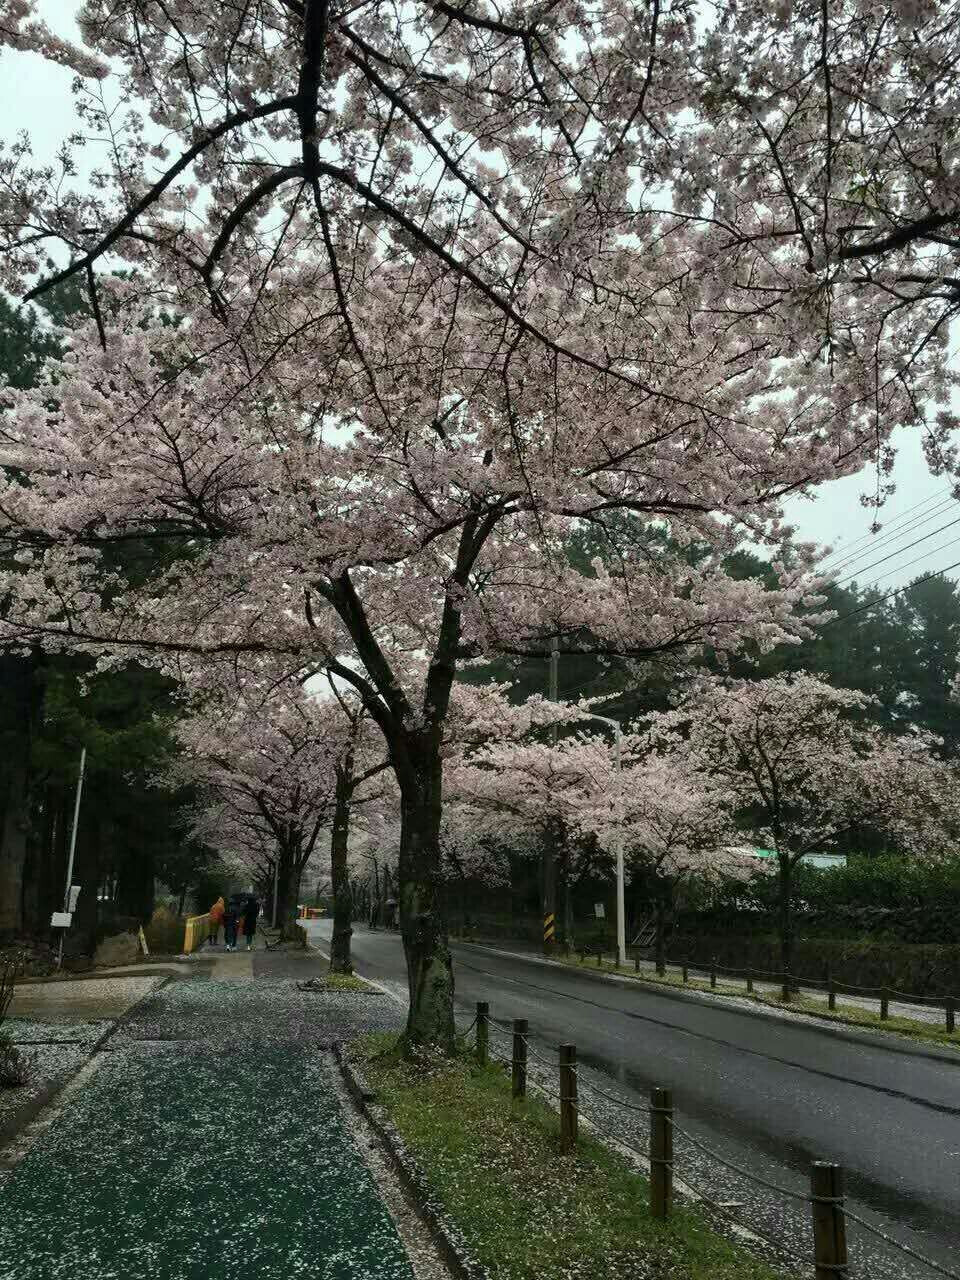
point(848, 1014)
point(338, 982)
point(527, 1212)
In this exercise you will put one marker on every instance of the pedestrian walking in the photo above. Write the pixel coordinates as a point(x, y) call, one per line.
point(250, 912)
point(216, 920)
point(230, 917)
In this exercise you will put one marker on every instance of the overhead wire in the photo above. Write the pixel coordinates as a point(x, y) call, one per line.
point(865, 544)
point(902, 551)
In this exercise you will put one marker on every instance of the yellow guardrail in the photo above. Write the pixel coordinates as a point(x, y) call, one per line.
point(197, 931)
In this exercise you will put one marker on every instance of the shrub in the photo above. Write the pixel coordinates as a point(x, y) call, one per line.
point(16, 1067)
point(166, 932)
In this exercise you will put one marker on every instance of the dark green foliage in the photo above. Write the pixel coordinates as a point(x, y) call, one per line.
point(890, 898)
point(53, 705)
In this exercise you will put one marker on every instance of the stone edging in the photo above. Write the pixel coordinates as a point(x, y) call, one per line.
point(446, 1234)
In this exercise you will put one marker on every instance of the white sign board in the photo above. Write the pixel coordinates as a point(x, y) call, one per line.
point(599, 910)
point(61, 919)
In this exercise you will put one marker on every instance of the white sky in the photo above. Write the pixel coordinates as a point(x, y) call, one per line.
point(35, 95)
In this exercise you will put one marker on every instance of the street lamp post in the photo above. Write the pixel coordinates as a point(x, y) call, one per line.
point(618, 850)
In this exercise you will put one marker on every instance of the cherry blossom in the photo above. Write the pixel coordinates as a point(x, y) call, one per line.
point(799, 765)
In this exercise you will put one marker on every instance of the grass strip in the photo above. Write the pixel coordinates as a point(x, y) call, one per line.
point(526, 1211)
point(341, 982)
point(849, 1014)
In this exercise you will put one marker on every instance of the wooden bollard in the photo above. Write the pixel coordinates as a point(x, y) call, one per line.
point(599, 957)
point(636, 961)
point(685, 973)
point(750, 982)
point(483, 1032)
point(568, 1097)
point(829, 1226)
point(713, 972)
point(785, 988)
point(950, 1008)
point(661, 1152)
point(519, 1057)
point(831, 993)
point(884, 1003)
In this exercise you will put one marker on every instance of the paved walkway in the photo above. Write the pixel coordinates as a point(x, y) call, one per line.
point(207, 1144)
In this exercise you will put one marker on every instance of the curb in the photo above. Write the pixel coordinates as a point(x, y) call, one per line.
point(170, 969)
point(815, 1022)
point(446, 1235)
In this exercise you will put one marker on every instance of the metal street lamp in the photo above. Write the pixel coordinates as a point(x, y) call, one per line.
point(618, 850)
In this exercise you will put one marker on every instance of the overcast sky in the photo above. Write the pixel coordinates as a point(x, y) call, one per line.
point(35, 95)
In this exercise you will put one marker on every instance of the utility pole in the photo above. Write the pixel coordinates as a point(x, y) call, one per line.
point(548, 868)
point(73, 847)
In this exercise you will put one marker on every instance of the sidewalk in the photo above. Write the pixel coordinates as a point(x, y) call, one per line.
point(207, 1144)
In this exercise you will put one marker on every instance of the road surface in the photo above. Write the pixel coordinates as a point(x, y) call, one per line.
point(766, 1093)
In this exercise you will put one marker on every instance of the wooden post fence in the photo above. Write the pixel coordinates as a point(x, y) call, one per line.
point(483, 1032)
point(829, 1226)
point(661, 1152)
point(884, 1003)
point(749, 982)
point(568, 1097)
point(713, 972)
point(519, 1057)
point(951, 1011)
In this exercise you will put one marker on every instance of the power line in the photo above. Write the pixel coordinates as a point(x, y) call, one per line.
point(902, 568)
point(890, 594)
point(902, 551)
point(849, 551)
point(891, 536)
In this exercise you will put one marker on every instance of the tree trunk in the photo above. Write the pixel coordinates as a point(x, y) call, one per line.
point(340, 961)
point(425, 943)
point(288, 891)
point(14, 829)
point(21, 706)
point(661, 934)
point(785, 910)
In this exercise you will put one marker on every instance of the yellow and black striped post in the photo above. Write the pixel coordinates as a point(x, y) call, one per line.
point(549, 929)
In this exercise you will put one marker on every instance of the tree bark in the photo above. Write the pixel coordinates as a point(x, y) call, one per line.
point(14, 829)
point(340, 959)
point(425, 942)
point(785, 911)
point(21, 705)
point(661, 934)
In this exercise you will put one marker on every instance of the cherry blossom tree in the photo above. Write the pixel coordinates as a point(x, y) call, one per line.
point(280, 767)
point(675, 823)
point(268, 775)
point(413, 294)
point(799, 765)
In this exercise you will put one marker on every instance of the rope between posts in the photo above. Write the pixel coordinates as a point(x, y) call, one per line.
point(538, 1057)
point(817, 984)
point(744, 1173)
point(629, 1106)
point(904, 1248)
point(731, 1215)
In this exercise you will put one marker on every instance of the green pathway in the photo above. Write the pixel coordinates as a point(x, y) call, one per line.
point(201, 1159)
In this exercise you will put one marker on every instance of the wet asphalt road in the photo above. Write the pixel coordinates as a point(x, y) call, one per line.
point(767, 1094)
